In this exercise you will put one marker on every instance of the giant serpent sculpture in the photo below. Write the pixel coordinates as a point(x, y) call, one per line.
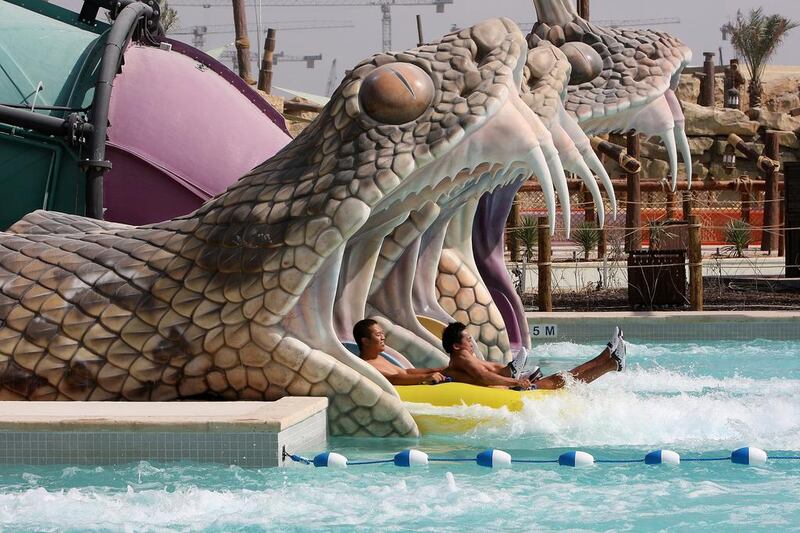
point(369, 212)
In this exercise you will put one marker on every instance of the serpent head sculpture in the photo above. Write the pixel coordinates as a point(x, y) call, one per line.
point(583, 80)
point(369, 212)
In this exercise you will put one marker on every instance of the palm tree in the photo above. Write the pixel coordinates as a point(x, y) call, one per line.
point(169, 16)
point(755, 38)
point(528, 235)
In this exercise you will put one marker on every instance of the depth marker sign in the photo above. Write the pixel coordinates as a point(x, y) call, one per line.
point(544, 331)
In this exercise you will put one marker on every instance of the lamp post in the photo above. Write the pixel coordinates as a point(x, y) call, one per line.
point(729, 159)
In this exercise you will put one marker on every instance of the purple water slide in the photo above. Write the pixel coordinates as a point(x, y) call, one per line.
point(488, 247)
point(183, 128)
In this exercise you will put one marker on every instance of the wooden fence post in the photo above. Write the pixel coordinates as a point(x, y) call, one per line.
point(709, 80)
point(633, 209)
point(670, 205)
point(769, 235)
point(782, 223)
point(242, 41)
point(792, 220)
point(602, 242)
point(265, 74)
point(514, 222)
point(588, 207)
point(695, 265)
point(688, 202)
point(745, 199)
point(583, 9)
point(544, 265)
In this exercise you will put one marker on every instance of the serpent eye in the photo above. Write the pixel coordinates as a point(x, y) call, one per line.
point(396, 93)
point(586, 62)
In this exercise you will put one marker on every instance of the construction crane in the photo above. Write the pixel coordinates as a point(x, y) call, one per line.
point(279, 57)
point(198, 33)
point(617, 23)
point(385, 5)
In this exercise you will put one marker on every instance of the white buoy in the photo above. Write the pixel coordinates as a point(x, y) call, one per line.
point(409, 458)
point(749, 456)
point(330, 460)
point(492, 458)
point(662, 457)
point(576, 459)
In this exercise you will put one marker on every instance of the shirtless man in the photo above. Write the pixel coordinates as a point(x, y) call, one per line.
point(465, 367)
point(371, 342)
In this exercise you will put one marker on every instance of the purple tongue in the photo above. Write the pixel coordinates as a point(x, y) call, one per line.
point(488, 246)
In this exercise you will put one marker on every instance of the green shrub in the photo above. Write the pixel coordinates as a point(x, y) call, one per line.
point(658, 233)
point(739, 235)
point(587, 236)
point(528, 236)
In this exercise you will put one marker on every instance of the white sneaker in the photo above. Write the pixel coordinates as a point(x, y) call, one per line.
point(532, 374)
point(620, 352)
point(616, 338)
point(517, 364)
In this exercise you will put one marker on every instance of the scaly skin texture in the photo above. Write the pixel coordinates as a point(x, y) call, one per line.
point(250, 296)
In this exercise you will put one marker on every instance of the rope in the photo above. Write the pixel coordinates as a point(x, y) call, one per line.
point(509, 460)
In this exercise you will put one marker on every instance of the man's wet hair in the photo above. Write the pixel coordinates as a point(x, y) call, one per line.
point(361, 330)
point(452, 335)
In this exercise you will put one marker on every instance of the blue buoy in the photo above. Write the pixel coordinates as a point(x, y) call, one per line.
point(576, 459)
point(409, 458)
point(662, 457)
point(492, 458)
point(749, 456)
point(330, 460)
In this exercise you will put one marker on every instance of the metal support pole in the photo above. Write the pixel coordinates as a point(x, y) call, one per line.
point(544, 265)
point(633, 209)
point(420, 39)
point(265, 74)
point(695, 265)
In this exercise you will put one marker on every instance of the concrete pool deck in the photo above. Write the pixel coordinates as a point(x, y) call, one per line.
point(250, 434)
point(665, 326)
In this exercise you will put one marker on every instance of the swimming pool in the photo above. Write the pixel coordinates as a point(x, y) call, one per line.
point(702, 399)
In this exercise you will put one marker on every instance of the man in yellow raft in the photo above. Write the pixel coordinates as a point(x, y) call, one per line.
point(465, 367)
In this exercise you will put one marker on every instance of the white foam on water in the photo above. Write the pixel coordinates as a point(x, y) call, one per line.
point(599, 498)
point(655, 407)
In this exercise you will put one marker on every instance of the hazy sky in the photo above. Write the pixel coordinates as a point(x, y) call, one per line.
point(699, 27)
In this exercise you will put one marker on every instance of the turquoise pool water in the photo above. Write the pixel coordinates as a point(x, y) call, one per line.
point(700, 399)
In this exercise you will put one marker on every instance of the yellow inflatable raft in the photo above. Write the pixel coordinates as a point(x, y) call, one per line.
point(429, 404)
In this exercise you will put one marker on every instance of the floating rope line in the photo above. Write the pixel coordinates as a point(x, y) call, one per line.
point(494, 458)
